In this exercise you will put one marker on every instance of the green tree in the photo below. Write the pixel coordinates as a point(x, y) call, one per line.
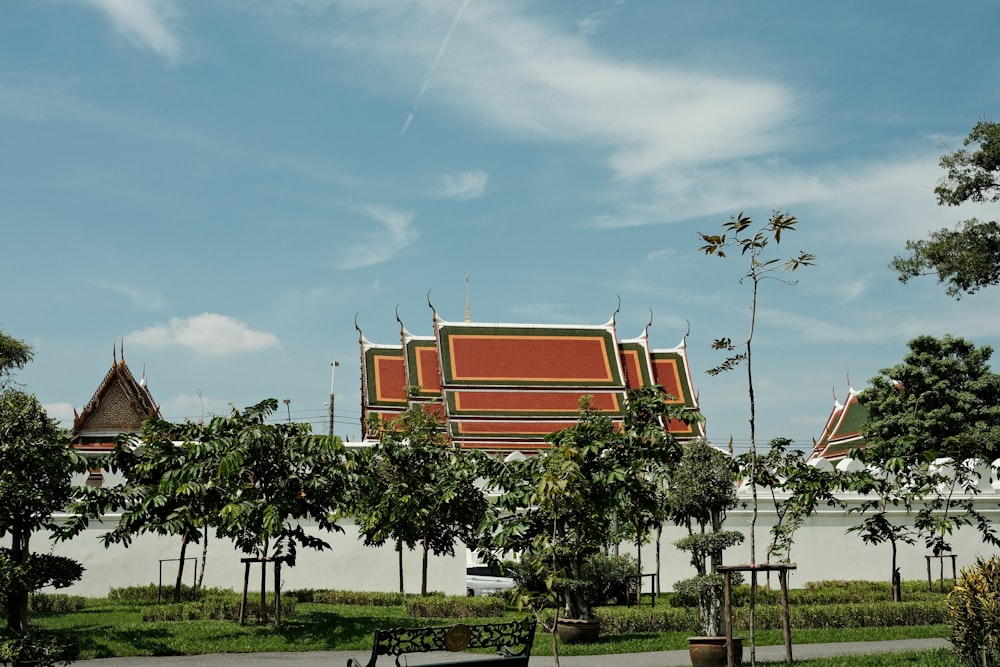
point(796, 490)
point(942, 402)
point(966, 258)
point(702, 490)
point(273, 476)
point(168, 487)
point(889, 482)
point(755, 246)
point(420, 490)
point(647, 454)
point(943, 393)
point(36, 466)
point(558, 508)
point(14, 354)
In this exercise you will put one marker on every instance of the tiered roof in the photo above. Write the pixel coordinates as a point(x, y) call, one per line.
point(120, 405)
point(507, 386)
point(842, 432)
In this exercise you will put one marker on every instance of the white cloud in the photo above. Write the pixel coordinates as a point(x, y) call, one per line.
point(535, 80)
point(380, 245)
point(885, 200)
point(463, 185)
point(208, 333)
point(145, 23)
point(595, 22)
point(140, 298)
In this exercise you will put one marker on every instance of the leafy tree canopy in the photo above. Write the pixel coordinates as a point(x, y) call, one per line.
point(966, 258)
point(943, 397)
point(973, 175)
point(419, 489)
point(36, 465)
point(14, 354)
point(272, 476)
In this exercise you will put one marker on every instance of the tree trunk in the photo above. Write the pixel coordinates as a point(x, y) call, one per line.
point(17, 596)
point(659, 536)
point(204, 559)
point(399, 551)
point(638, 559)
point(897, 587)
point(180, 568)
point(263, 583)
point(423, 567)
point(710, 610)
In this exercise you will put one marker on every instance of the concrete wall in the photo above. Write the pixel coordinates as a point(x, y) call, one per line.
point(823, 550)
point(349, 565)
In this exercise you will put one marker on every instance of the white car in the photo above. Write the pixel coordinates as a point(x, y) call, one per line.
point(482, 580)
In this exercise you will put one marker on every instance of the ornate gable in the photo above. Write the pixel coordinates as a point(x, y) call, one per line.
point(120, 405)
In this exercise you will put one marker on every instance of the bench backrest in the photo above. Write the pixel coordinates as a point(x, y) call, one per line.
point(505, 637)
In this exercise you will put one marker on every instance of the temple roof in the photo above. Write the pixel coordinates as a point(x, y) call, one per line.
point(843, 429)
point(508, 386)
point(120, 405)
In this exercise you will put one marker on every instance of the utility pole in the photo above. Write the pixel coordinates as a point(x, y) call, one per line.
point(333, 378)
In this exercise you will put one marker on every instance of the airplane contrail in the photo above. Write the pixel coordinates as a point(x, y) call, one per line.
point(437, 59)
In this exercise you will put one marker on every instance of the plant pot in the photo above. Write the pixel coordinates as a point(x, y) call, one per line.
point(577, 630)
point(711, 651)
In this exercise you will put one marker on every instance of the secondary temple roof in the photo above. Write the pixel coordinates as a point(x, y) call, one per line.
point(843, 429)
point(120, 405)
point(507, 386)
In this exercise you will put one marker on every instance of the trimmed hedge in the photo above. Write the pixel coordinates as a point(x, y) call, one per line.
point(148, 593)
point(215, 607)
point(624, 620)
point(488, 606)
point(832, 592)
point(56, 602)
point(360, 598)
point(435, 605)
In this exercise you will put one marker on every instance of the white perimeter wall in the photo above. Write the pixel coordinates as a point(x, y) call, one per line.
point(823, 549)
point(349, 565)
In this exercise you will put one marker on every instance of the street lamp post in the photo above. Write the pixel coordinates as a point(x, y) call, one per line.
point(333, 378)
point(288, 406)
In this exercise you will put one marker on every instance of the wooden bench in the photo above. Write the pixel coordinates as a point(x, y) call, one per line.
point(504, 637)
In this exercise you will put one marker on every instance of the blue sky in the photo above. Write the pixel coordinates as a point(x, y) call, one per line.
point(226, 184)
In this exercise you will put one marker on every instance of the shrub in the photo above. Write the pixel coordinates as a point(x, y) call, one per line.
point(974, 613)
point(218, 606)
point(456, 607)
point(618, 620)
point(56, 602)
point(603, 578)
point(362, 598)
point(34, 647)
point(818, 592)
point(150, 593)
point(607, 578)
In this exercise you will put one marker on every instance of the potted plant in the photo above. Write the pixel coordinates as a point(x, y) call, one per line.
point(701, 492)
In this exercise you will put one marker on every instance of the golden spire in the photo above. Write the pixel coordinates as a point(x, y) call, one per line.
point(467, 319)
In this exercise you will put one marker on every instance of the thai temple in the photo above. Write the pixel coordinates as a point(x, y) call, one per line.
point(120, 405)
point(505, 387)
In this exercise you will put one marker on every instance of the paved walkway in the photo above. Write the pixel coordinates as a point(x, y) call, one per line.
point(654, 659)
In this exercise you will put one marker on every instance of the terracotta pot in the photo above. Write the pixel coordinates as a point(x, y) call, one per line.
point(711, 651)
point(577, 630)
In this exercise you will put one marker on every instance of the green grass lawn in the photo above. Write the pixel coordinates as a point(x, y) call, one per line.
point(109, 629)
